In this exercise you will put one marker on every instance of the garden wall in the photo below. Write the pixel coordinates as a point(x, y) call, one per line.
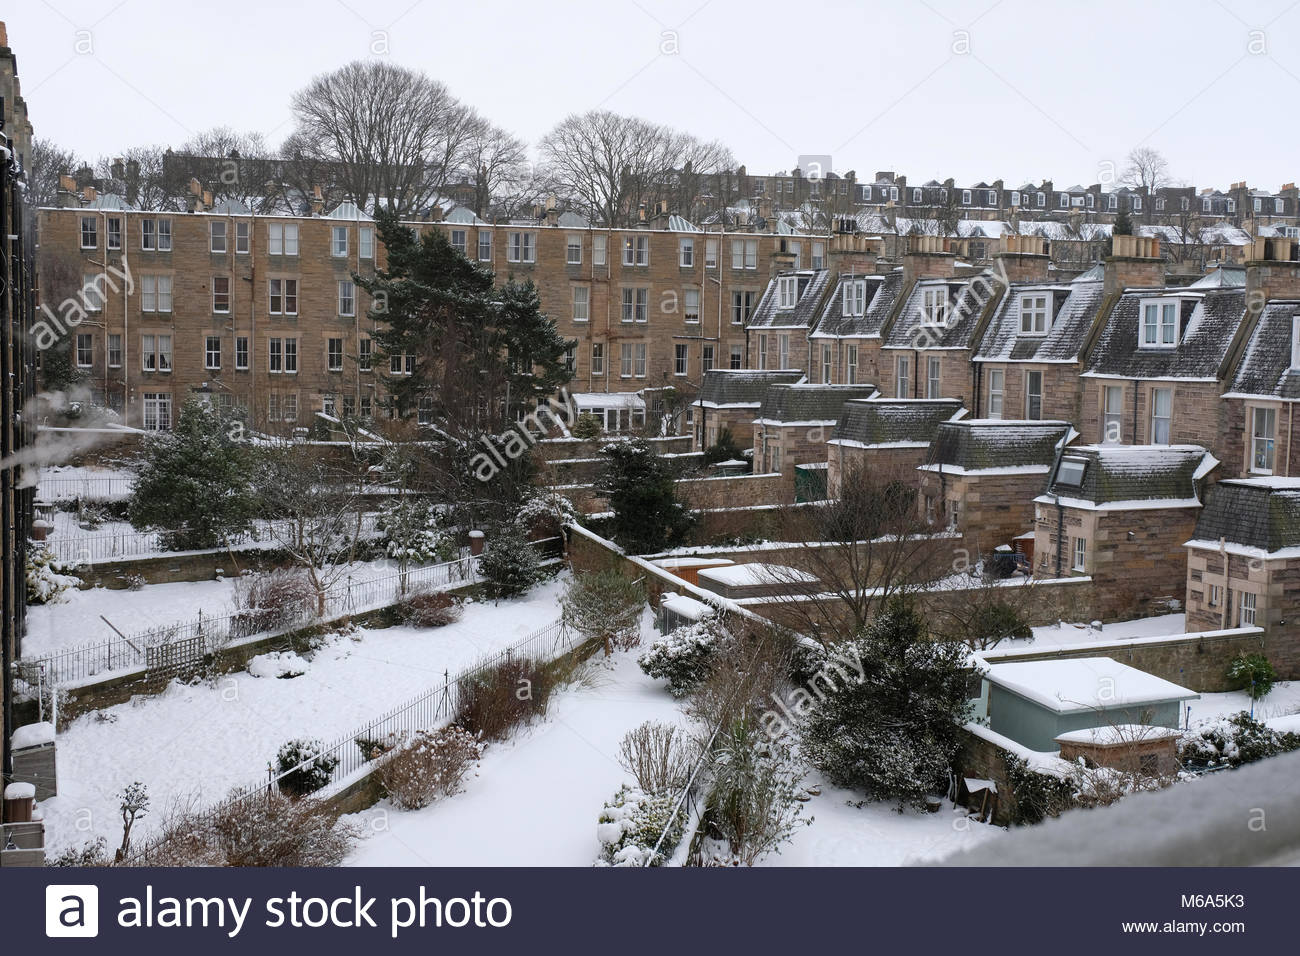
point(1198, 661)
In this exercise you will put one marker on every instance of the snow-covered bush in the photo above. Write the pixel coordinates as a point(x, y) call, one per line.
point(685, 655)
point(304, 766)
point(544, 513)
point(47, 577)
point(1036, 795)
point(1253, 673)
point(411, 535)
point(281, 664)
point(269, 830)
point(587, 427)
point(266, 602)
point(631, 824)
point(659, 756)
point(372, 747)
point(434, 764)
point(1234, 740)
point(430, 609)
point(509, 565)
point(495, 700)
point(605, 606)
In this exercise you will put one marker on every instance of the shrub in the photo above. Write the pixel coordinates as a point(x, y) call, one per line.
point(91, 853)
point(659, 756)
point(304, 767)
point(509, 565)
point(605, 606)
point(1036, 795)
point(47, 577)
point(632, 823)
point(434, 764)
point(587, 427)
point(372, 747)
point(430, 609)
point(1235, 740)
point(268, 602)
point(495, 700)
point(724, 449)
point(1253, 673)
point(892, 728)
point(195, 480)
point(685, 656)
point(754, 804)
point(410, 534)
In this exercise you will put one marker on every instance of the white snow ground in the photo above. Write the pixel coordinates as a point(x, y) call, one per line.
point(206, 739)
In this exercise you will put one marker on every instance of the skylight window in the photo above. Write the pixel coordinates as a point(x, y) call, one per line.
point(1071, 472)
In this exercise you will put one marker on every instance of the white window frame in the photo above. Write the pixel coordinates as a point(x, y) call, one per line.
point(686, 253)
point(597, 358)
point(114, 350)
point(242, 233)
point(1247, 609)
point(211, 355)
point(1155, 328)
point(581, 298)
point(1035, 313)
point(853, 299)
point(851, 365)
point(1263, 442)
point(333, 354)
point(217, 238)
point(1157, 419)
point(902, 376)
point(997, 392)
point(1112, 416)
point(347, 298)
point(241, 353)
point(691, 306)
point(521, 247)
point(1079, 558)
point(1032, 375)
point(573, 250)
point(787, 292)
point(156, 414)
point(599, 250)
point(710, 253)
point(636, 251)
point(85, 348)
point(933, 377)
point(934, 305)
point(681, 359)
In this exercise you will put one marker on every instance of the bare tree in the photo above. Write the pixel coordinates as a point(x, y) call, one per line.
point(611, 164)
point(231, 164)
point(48, 161)
point(140, 175)
point(397, 136)
point(318, 508)
point(1147, 171)
point(499, 169)
point(855, 553)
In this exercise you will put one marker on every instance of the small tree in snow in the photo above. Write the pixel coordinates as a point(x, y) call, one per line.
point(134, 803)
point(643, 496)
point(509, 565)
point(194, 481)
point(605, 606)
point(894, 732)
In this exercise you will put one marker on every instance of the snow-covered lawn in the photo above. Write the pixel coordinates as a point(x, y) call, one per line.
point(1282, 701)
point(842, 834)
point(536, 798)
point(74, 617)
point(206, 739)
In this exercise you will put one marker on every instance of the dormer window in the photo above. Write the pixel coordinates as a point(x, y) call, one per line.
point(854, 300)
point(1065, 201)
point(1015, 198)
point(1137, 203)
point(965, 197)
point(893, 193)
point(1205, 205)
point(1090, 200)
point(916, 196)
point(1040, 200)
point(1231, 205)
point(1160, 323)
point(993, 198)
point(1035, 314)
point(787, 292)
point(934, 305)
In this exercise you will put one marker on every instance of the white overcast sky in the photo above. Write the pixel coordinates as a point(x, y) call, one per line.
point(1039, 90)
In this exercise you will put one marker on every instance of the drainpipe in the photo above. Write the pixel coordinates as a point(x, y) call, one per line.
point(1223, 609)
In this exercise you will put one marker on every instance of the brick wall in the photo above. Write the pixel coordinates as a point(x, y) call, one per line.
point(991, 508)
point(1198, 413)
point(1275, 584)
point(1062, 390)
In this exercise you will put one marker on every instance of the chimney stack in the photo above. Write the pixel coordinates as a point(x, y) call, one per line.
point(317, 201)
point(1134, 262)
point(1273, 270)
point(552, 213)
point(1024, 258)
point(850, 253)
point(928, 257)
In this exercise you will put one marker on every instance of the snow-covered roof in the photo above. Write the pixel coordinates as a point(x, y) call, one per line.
point(1113, 735)
point(748, 575)
point(1084, 684)
point(348, 210)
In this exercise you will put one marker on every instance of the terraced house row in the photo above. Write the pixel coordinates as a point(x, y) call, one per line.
point(264, 312)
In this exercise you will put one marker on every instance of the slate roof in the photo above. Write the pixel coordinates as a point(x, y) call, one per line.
point(1135, 473)
point(812, 286)
point(1261, 513)
point(882, 292)
point(741, 388)
point(1265, 366)
point(1074, 309)
point(980, 444)
point(964, 308)
point(1210, 321)
point(786, 404)
point(894, 420)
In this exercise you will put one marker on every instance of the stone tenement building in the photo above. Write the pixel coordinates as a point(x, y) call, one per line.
point(262, 311)
point(17, 299)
